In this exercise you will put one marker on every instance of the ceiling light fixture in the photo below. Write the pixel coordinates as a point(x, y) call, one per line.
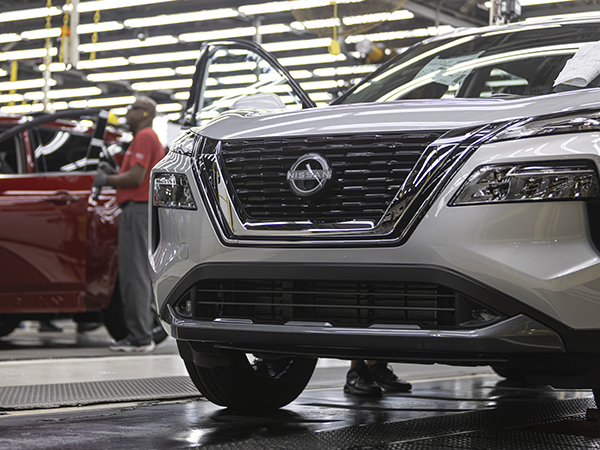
point(164, 57)
point(26, 54)
point(9, 37)
point(274, 7)
point(25, 84)
point(64, 93)
point(32, 13)
point(169, 19)
point(115, 4)
point(128, 43)
point(217, 34)
point(131, 74)
point(156, 85)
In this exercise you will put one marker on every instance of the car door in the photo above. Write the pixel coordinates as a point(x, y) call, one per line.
point(45, 210)
point(240, 75)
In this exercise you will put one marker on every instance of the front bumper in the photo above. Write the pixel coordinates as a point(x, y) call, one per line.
point(495, 343)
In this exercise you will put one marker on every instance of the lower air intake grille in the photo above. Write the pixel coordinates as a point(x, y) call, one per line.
point(340, 303)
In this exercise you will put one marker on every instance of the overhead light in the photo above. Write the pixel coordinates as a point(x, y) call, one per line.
point(185, 70)
point(32, 13)
point(320, 96)
point(131, 74)
point(300, 74)
point(40, 34)
point(563, 16)
point(11, 98)
point(311, 59)
point(87, 64)
point(168, 107)
point(488, 5)
point(100, 102)
point(22, 109)
point(25, 84)
point(157, 85)
point(128, 43)
point(9, 37)
point(64, 93)
point(274, 7)
point(297, 45)
point(168, 19)
point(319, 85)
point(163, 57)
point(99, 5)
point(90, 28)
point(401, 14)
point(407, 34)
point(181, 95)
point(345, 70)
point(274, 28)
point(103, 62)
point(217, 34)
point(27, 54)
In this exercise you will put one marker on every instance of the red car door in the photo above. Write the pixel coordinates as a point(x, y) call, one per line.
point(57, 243)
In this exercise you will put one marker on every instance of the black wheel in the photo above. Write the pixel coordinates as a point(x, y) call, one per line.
point(597, 397)
point(510, 373)
point(7, 325)
point(115, 323)
point(266, 383)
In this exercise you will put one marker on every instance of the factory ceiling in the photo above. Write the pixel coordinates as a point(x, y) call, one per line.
point(149, 47)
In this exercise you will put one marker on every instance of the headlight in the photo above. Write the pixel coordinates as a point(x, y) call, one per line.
point(185, 144)
point(529, 182)
point(571, 123)
point(172, 191)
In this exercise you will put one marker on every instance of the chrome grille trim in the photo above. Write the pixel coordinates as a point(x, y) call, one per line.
point(436, 165)
point(368, 170)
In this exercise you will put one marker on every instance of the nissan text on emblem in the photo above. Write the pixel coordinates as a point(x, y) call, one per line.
point(309, 175)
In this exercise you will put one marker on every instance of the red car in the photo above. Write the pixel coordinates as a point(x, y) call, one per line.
point(58, 239)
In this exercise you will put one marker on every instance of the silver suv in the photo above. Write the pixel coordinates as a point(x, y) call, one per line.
point(444, 210)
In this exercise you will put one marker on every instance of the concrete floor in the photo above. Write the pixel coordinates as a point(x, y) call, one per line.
point(448, 407)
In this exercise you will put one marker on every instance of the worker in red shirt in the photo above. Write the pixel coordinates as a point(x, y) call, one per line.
point(132, 184)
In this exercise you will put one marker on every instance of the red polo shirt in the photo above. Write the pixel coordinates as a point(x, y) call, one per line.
point(146, 150)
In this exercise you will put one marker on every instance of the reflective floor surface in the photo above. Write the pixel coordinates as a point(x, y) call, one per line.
point(63, 390)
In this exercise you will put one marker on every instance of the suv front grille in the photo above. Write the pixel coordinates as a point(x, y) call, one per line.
point(368, 171)
point(340, 303)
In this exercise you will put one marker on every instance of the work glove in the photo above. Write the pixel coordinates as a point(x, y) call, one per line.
point(101, 179)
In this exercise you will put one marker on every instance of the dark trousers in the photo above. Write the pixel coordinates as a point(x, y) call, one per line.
point(136, 291)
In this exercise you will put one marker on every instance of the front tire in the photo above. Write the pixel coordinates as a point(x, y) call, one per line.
point(265, 384)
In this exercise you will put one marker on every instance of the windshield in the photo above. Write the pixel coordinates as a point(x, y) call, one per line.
point(514, 62)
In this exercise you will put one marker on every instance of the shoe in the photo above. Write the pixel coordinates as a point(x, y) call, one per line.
point(360, 382)
point(127, 347)
point(47, 325)
point(385, 377)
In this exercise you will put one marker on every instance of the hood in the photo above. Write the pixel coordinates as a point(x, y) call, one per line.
point(404, 115)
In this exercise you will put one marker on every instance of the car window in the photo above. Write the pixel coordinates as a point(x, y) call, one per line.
point(237, 73)
point(521, 62)
point(9, 156)
point(58, 150)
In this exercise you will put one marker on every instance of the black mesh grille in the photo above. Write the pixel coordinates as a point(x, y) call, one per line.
point(341, 303)
point(368, 170)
